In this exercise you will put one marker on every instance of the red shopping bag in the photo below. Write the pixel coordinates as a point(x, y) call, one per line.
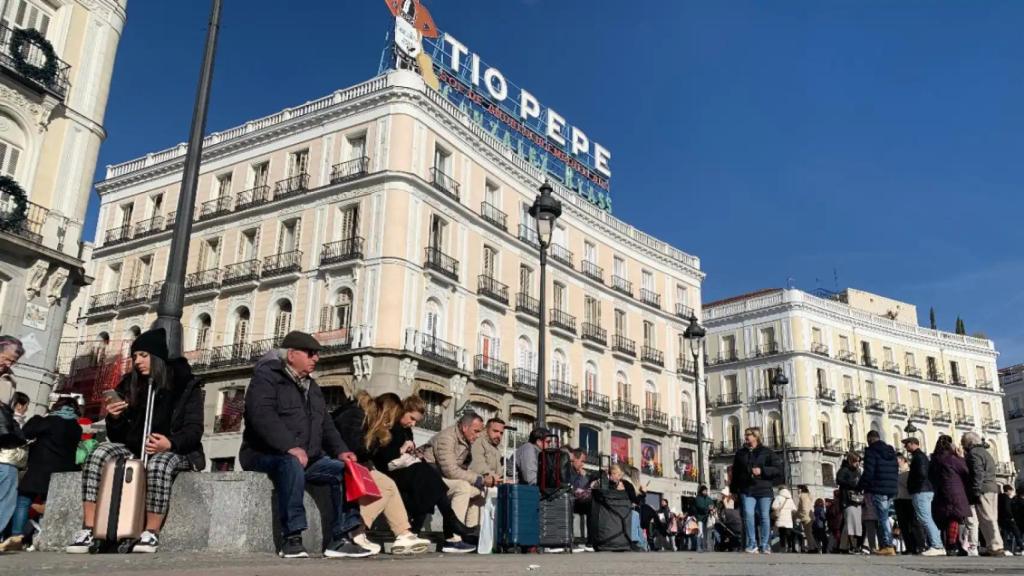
point(359, 482)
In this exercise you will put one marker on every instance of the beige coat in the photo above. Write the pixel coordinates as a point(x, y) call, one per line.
point(486, 458)
point(450, 452)
point(805, 508)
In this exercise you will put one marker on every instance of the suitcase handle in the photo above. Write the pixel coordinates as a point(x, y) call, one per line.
point(148, 423)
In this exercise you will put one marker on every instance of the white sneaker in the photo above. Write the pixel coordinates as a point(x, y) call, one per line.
point(409, 544)
point(934, 552)
point(81, 543)
point(363, 542)
point(148, 543)
point(554, 550)
point(972, 551)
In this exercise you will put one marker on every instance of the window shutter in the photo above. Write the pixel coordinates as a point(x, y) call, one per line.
point(326, 315)
point(242, 331)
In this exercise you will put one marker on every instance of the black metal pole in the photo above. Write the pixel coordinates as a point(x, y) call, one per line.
point(172, 295)
point(785, 445)
point(697, 414)
point(542, 338)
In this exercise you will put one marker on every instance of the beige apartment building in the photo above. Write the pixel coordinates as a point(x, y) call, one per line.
point(56, 60)
point(382, 219)
point(853, 359)
point(1011, 382)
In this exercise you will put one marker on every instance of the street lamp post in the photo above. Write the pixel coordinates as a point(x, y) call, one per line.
point(545, 210)
point(851, 408)
point(695, 334)
point(779, 383)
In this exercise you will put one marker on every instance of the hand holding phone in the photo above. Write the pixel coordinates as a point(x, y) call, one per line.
point(115, 404)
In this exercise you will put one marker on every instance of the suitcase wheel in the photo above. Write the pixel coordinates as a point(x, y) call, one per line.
point(125, 546)
point(96, 547)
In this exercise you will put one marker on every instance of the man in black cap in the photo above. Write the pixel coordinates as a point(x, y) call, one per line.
point(528, 456)
point(289, 436)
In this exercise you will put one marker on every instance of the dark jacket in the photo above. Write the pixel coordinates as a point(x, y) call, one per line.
point(949, 476)
point(983, 473)
point(702, 507)
point(1006, 520)
point(918, 481)
point(848, 479)
point(54, 442)
point(177, 414)
point(743, 479)
point(1017, 507)
point(881, 473)
point(280, 416)
point(349, 420)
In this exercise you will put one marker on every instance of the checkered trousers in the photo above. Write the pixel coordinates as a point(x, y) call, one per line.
point(160, 472)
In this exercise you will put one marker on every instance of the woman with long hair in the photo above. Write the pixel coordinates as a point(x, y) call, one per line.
point(174, 443)
point(389, 443)
point(850, 502)
point(949, 476)
point(755, 470)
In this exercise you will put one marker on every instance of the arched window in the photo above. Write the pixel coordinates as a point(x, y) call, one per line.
point(590, 439)
point(732, 433)
point(343, 309)
point(687, 407)
point(590, 382)
point(824, 428)
point(622, 386)
point(651, 398)
point(773, 435)
point(433, 323)
point(564, 434)
point(241, 331)
point(524, 354)
point(559, 366)
point(488, 343)
point(203, 328)
point(828, 474)
point(12, 148)
point(485, 411)
point(282, 318)
point(134, 332)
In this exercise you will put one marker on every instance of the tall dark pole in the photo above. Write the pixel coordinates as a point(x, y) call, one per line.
point(700, 423)
point(542, 338)
point(172, 295)
point(785, 445)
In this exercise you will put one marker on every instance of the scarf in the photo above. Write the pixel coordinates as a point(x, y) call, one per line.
point(66, 412)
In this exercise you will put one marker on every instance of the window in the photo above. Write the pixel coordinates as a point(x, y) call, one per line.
point(489, 266)
point(590, 439)
point(282, 318)
point(438, 232)
point(980, 374)
point(620, 322)
point(248, 245)
point(767, 337)
point(822, 380)
point(126, 214)
point(730, 386)
point(816, 335)
point(288, 236)
point(142, 271)
point(28, 14)
point(348, 223)
point(871, 390)
point(559, 297)
point(865, 349)
point(443, 160)
point(488, 343)
point(525, 356)
point(954, 371)
point(209, 254)
point(259, 173)
point(848, 385)
point(339, 315)
point(222, 464)
point(491, 193)
point(620, 448)
point(986, 412)
point(241, 332)
point(681, 295)
point(356, 146)
point(298, 163)
point(525, 279)
point(432, 324)
point(9, 156)
point(156, 205)
point(652, 401)
point(112, 281)
point(203, 332)
point(893, 395)
point(590, 252)
point(232, 407)
point(961, 408)
point(908, 359)
point(729, 346)
point(619, 267)
point(559, 367)
point(223, 186)
point(647, 281)
point(622, 386)
point(828, 474)
point(933, 369)
point(844, 344)
point(649, 335)
point(527, 223)
point(915, 399)
point(887, 355)
point(591, 310)
point(590, 377)
point(559, 237)
point(936, 403)
point(650, 458)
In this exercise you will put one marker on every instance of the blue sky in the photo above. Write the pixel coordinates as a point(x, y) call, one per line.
point(779, 141)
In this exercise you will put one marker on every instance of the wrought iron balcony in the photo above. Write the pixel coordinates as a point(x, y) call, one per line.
point(117, 235)
point(920, 414)
point(847, 356)
point(897, 409)
point(724, 448)
point(874, 405)
point(103, 302)
point(490, 213)
point(441, 263)
point(169, 220)
point(684, 426)
point(444, 183)
point(252, 197)
point(134, 295)
point(1013, 414)
point(596, 402)
point(38, 71)
point(232, 355)
point(594, 333)
point(592, 271)
point(766, 395)
point(527, 305)
point(655, 419)
point(341, 251)
point(149, 226)
point(214, 208)
point(826, 394)
point(202, 281)
point(562, 254)
point(562, 320)
point(942, 417)
point(684, 311)
point(685, 366)
point(650, 297)
point(891, 367)
point(524, 381)
point(652, 355)
point(626, 411)
point(725, 358)
point(912, 372)
point(984, 385)
point(992, 424)
point(292, 186)
point(431, 421)
point(624, 345)
point(959, 380)
point(829, 444)
point(770, 349)
point(819, 349)
point(487, 286)
point(241, 273)
point(529, 235)
point(490, 370)
point(1005, 469)
point(157, 288)
point(227, 423)
point(936, 376)
point(869, 362)
point(727, 399)
point(562, 393)
point(280, 264)
point(36, 218)
point(853, 400)
point(622, 285)
point(350, 170)
point(441, 352)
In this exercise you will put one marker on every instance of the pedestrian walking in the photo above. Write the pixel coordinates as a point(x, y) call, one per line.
point(910, 532)
point(922, 496)
point(851, 500)
point(783, 509)
point(1012, 539)
point(949, 475)
point(984, 491)
point(820, 526)
point(881, 479)
point(702, 506)
point(805, 516)
point(755, 470)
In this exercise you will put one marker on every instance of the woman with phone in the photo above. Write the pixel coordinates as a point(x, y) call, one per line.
point(174, 443)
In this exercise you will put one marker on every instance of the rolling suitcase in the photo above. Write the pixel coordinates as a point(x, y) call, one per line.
point(553, 468)
point(121, 501)
point(556, 520)
point(517, 518)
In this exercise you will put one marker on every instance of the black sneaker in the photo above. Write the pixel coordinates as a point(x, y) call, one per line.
point(345, 548)
point(458, 547)
point(293, 548)
point(81, 543)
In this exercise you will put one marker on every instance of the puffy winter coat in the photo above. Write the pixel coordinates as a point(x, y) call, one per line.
point(881, 470)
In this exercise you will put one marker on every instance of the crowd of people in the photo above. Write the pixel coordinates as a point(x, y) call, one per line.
point(887, 503)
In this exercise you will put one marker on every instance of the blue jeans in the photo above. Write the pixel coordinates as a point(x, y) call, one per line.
point(762, 507)
point(882, 505)
point(20, 515)
point(8, 493)
point(637, 534)
point(923, 512)
point(290, 482)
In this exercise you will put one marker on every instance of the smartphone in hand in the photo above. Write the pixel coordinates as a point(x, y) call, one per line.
point(112, 396)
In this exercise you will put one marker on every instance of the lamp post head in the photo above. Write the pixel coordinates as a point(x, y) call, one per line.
point(545, 210)
point(695, 333)
point(779, 379)
point(910, 429)
point(850, 407)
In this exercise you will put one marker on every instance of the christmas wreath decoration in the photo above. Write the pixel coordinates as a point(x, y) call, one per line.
point(20, 39)
point(10, 220)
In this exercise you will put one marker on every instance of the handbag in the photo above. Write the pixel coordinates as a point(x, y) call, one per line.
point(403, 461)
point(854, 498)
point(359, 482)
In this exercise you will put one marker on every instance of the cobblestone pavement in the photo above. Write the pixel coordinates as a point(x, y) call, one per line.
point(658, 564)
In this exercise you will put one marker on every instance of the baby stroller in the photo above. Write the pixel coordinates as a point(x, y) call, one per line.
point(729, 526)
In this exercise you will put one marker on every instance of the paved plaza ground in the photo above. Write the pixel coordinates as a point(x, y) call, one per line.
point(655, 564)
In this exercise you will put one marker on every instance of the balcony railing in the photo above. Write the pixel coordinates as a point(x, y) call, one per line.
point(652, 355)
point(891, 367)
point(897, 409)
point(941, 416)
point(117, 235)
point(847, 356)
point(227, 423)
point(874, 405)
point(819, 349)
point(490, 369)
point(439, 351)
point(490, 213)
point(231, 355)
point(826, 394)
point(1005, 469)
point(912, 372)
point(563, 393)
point(292, 186)
point(770, 349)
point(626, 410)
point(562, 320)
point(921, 414)
point(594, 333)
point(340, 251)
point(728, 399)
point(487, 286)
point(52, 78)
point(624, 345)
point(992, 424)
point(853, 400)
point(765, 395)
point(241, 272)
point(214, 208)
point(829, 444)
point(592, 271)
point(444, 183)
point(134, 295)
point(527, 305)
point(869, 362)
point(725, 358)
point(524, 381)
point(252, 197)
point(563, 255)
point(596, 402)
point(650, 297)
point(959, 380)
point(985, 385)
point(431, 421)
point(622, 285)
point(1014, 413)
point(169, 220)
point(435, 259)
point(684, 311)
point(684, 426)
point(202, 280)
point(528, 234)
point(154, 293)
point(149, 226)
point(350, 170)
point(685, 366)
point(655, 419)
point(936, 376)
point(724, 448)
point(284, 263)
point(103, 302)
point(36, 218)
point(965, 420)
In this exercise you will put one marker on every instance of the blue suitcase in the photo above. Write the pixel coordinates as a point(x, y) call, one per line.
point(518, 517)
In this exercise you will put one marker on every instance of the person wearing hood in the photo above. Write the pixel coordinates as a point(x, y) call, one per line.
point(783, 508)
point(290, 436)
point(174, 443)
point(881, 478)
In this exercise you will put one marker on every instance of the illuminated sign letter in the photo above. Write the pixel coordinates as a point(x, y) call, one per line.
point(601, 159)
point(580, 142)
point(492, 76)
point(474, 67)
point(458, 51)
point(555, 125)
point(528, 106)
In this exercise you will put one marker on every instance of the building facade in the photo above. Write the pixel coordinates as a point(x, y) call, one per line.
point(1011, 382)
point(385, 221)
point(855, 362)
point(56, 60)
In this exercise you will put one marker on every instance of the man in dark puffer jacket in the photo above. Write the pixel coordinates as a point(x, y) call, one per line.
point(881, 478)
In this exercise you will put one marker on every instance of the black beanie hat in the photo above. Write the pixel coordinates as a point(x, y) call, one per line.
point(152, 341)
